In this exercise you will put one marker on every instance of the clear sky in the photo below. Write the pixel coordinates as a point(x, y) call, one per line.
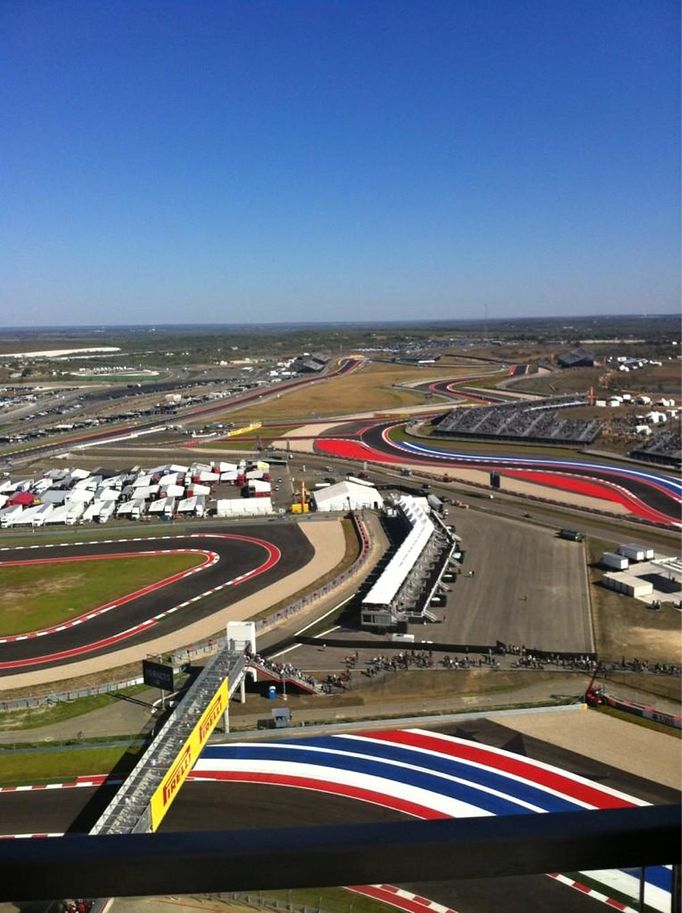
point(281, 160)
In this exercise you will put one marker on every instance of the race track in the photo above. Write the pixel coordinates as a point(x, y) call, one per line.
point(447, 774)
point(647, 493)
point(477, 768)
point(237, 561)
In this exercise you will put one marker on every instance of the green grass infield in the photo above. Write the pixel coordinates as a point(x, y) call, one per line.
point(38, 596)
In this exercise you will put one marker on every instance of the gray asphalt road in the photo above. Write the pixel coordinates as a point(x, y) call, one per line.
point(529, 587)
point(241, 549)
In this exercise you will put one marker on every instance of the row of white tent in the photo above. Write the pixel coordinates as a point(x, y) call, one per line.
point(99, 511)
point(173, 477)
point(72, 496)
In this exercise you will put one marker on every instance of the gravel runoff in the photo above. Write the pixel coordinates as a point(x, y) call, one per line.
point(618, 743)
point(326, 537)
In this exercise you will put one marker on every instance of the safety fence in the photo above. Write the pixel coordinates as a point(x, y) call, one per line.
point(44, 700)
point(294, 608)
point(286, 901)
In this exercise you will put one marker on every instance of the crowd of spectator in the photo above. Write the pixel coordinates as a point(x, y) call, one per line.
point(642, 665)
point(536, 420)
point(341, 682)
point(406, 659)
point(665, 446)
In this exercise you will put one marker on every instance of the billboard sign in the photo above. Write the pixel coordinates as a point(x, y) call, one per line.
point(157, 675)
point(186, 758)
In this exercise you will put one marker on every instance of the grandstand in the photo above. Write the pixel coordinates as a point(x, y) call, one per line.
point(405, 588)
point(665, 447)
point(536, 420)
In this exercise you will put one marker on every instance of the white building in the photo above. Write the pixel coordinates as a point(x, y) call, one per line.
point(347, 496)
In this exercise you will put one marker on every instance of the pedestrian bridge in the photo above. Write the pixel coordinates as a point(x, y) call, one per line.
point(148, 791)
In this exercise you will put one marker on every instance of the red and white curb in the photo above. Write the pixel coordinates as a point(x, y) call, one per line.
point(591, 892)
point(210, 558)
point(93, 780)
point(415, 903)
point(273, 557)
point(20, 548)
point(398, 897)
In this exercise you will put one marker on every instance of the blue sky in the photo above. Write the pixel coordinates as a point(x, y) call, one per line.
point(243, 160)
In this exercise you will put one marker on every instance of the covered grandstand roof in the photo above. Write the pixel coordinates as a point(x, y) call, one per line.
point(399, 567)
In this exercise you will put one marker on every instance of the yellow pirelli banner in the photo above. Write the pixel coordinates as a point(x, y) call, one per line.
point(253, 426)
point(186, 758)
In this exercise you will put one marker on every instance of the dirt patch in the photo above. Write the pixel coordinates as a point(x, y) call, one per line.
point(667, 686)
point(9, 596)
point(653, 755)
point(626, 627)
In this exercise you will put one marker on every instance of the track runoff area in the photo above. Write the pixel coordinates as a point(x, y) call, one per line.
point(480, 767)
point(234, 564)
point(647, 493)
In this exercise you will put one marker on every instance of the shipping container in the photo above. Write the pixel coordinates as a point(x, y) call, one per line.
point(629, 585)
point(636, 552)
point(614, 561)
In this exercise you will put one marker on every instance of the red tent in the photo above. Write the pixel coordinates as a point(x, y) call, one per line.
point(24, 498)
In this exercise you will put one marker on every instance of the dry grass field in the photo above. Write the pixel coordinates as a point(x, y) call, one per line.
point(652, 379)
point(624, 626)
point(572, 380)
point(368, 390)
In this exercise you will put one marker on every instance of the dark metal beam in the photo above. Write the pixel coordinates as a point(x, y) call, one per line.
point(184, 863)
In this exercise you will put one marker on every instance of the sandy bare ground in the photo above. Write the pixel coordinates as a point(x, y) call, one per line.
point(307, 431)
point(291, 438)
point(326, 537)
point(635, 749)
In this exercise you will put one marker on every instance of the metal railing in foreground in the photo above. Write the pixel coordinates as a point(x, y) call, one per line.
point(221, 861)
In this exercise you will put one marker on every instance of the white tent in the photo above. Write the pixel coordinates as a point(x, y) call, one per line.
point(58, 515)
point(108, 494)
point(162, 506)
point(146, 491)
point(347, 496)
point(80, 495)
point(92, 511)
point(243, 507)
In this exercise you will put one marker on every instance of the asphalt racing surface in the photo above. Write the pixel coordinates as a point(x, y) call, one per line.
point(646, 492)
point(238, 561)
point(532, 774)
point(124, 430)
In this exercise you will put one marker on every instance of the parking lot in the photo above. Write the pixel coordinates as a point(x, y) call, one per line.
point(520, 584)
